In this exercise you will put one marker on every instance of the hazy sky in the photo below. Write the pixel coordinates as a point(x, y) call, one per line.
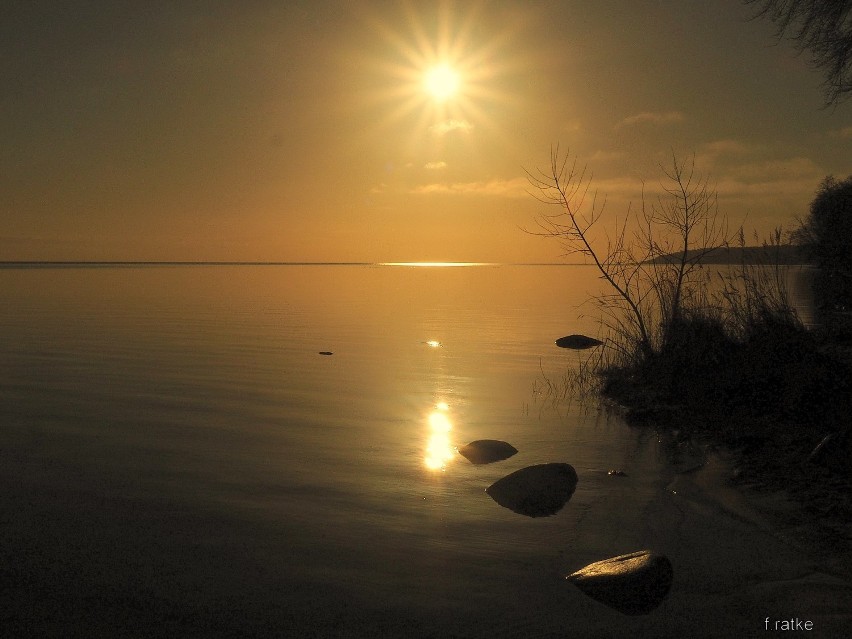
point(301, 131)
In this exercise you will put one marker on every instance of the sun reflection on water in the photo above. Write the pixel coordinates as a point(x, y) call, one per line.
point(439, 450)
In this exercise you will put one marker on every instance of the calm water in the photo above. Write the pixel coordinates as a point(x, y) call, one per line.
point(178, 459)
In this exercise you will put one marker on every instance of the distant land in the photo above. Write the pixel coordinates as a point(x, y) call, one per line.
point(786, 254)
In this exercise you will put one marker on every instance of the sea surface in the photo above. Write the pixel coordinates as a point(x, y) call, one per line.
point(177, 457)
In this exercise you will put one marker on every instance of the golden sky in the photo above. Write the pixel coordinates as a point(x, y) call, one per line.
point(308, 131)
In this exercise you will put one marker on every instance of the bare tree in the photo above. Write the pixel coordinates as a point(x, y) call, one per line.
point(653, 272)
point(822, 27)
point(680, 231)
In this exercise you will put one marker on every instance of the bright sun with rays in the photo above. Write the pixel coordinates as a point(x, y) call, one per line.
point(441, 82)
point(441, 69)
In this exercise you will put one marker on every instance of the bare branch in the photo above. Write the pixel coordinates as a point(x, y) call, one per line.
point(654, 271)
point(821, 27)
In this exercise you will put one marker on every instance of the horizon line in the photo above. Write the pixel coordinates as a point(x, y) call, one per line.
point(268, 263)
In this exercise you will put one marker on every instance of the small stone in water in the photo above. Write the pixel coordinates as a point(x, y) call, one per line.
point(486, 451)
point(578, 342)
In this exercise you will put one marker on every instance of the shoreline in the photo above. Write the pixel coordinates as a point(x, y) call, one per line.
point(737, 562)
point(771, 510)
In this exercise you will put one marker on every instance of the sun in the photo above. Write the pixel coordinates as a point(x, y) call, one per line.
point(441, 82)
point(440, 69)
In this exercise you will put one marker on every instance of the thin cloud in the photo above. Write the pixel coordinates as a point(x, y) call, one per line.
point(607, 156)
point(448, 126)
point(435, 166)
point(511, 188)
point(649, 117)
point(787, 178)
point(725, 147)
point(767, 181)
point(573, 126)
point(777, 170)
point(710, 155)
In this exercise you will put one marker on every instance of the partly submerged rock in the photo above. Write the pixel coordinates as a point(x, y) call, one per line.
point(617, 473)
point(326, 353)
point(633, 584)
point(535, 491)
point(486, 451)
point(578, 342)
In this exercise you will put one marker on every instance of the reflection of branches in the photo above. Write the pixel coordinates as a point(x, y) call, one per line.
point(574, 383)
point(654, 274)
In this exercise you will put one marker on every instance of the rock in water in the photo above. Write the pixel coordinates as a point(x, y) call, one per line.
point(578, 342)
point(633, 584)
point(535, 491)
point(326, 353)
point(486, 451)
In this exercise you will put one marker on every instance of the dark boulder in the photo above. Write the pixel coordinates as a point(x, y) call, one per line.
point(578, 342)
point(535, 491)
point(486, 451)
point(634, 584)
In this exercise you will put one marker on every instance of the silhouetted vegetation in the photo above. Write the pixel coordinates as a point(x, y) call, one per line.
point(824, 29)
point(648, 293)
point(826, 238)
point(711, 354)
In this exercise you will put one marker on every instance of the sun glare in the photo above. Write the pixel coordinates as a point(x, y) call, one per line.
point(442, 67)
point(441, 82)
point(439, 449)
